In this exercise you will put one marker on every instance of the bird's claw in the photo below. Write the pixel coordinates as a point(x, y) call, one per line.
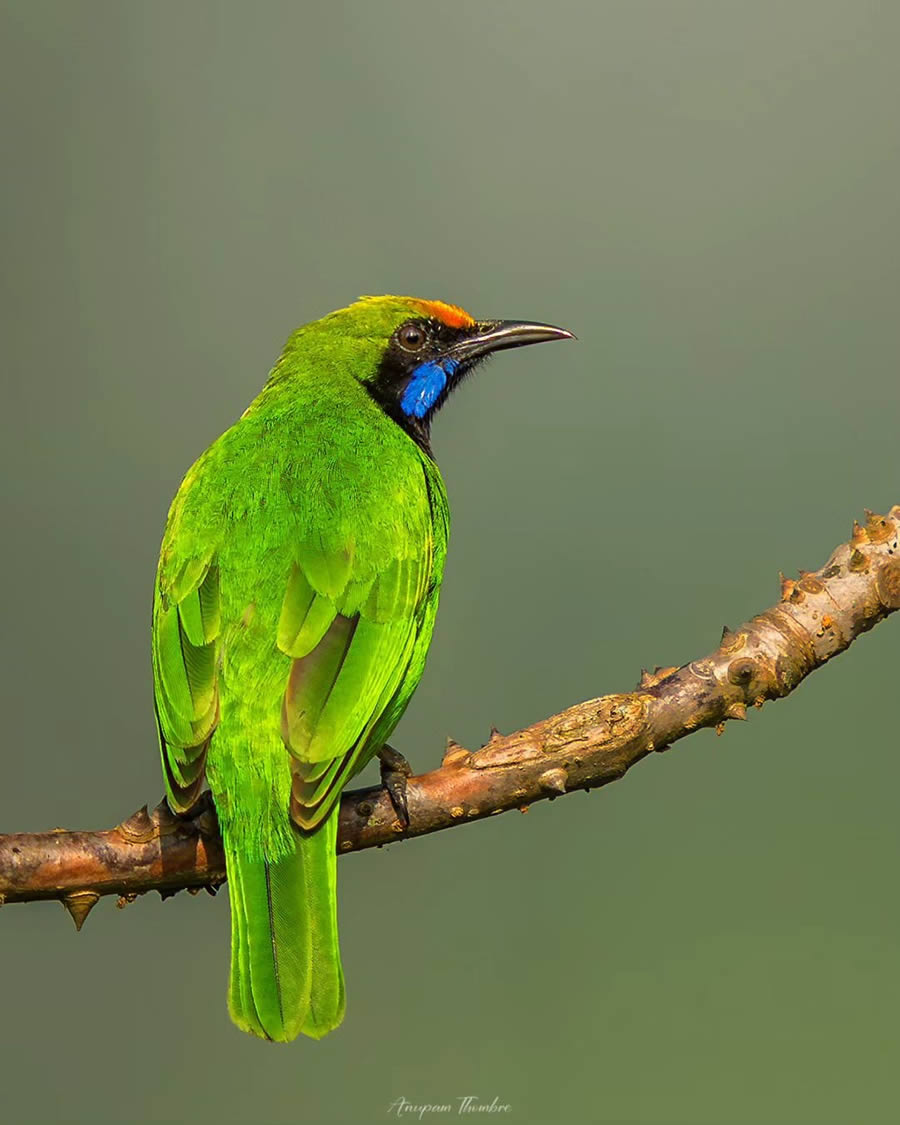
point(395, 769)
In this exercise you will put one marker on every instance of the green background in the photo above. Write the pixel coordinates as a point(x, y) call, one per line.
point(707, 194)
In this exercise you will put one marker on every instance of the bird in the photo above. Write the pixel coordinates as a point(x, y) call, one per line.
point(294, 603)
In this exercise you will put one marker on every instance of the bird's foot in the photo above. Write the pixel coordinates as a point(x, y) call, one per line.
point(394, 771)
point(202, 802)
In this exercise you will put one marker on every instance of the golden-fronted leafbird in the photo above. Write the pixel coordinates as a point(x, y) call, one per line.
point(295, 598)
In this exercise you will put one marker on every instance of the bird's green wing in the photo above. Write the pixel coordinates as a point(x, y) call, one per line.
point(352, 636)
point(187, 623)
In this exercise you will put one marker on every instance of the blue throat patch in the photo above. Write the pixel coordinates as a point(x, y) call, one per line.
point(426, 386)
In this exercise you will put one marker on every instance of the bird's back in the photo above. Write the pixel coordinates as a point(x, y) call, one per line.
point(314, 485)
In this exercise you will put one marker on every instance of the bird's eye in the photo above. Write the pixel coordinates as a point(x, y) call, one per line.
point(411, 337)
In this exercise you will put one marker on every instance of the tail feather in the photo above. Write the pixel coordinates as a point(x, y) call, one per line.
point(286, 975)
point(240, 998)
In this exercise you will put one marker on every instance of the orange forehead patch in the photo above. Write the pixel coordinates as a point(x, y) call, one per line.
point(451, 315)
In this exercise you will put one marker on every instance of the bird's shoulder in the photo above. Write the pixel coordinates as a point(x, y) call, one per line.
point(329, 484)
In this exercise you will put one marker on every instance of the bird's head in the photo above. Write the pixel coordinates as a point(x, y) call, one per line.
point(410, 353)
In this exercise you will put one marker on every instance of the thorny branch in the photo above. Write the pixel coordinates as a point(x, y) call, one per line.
point(588, 745)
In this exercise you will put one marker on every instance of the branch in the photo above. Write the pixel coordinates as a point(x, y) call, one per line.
point(590, 744)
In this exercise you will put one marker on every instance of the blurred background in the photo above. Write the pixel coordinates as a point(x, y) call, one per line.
point(707, 194)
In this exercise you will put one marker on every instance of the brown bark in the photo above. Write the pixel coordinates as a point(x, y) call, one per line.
point(588, 745)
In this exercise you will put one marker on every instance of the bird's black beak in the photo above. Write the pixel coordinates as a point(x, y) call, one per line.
point(495, 335)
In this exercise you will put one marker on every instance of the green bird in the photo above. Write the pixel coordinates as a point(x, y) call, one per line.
point(295, 598)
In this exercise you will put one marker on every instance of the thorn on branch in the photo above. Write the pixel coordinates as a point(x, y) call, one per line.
point(138, 828)
point(454, 754)
point(79, 904)
point(733, 642)
point(858, 561)
point(652, 679)
point(554, 780)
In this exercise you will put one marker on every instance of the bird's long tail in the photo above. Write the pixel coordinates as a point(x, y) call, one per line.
point(286, 975)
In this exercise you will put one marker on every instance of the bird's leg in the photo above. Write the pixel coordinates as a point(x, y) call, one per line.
point(394, 771)
point(201, 816)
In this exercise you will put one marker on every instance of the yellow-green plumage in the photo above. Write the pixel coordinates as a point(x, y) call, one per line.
point(313, 523)
point(295, 599)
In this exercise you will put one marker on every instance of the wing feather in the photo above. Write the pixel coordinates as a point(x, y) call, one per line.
point(305, 616)
point(343, 684)
point(186, 639)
